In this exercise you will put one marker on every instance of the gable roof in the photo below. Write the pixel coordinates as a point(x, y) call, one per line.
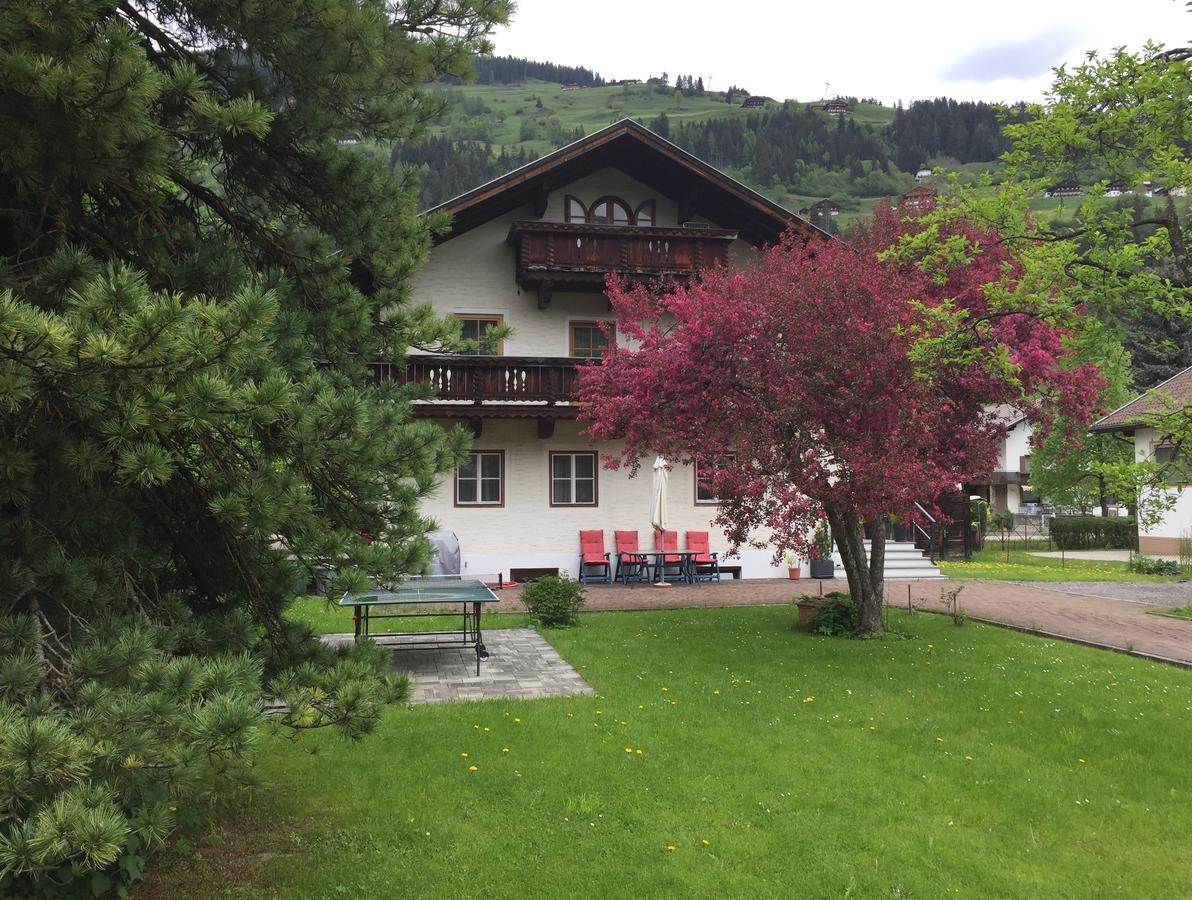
point(1136, 413)
point(643, 155)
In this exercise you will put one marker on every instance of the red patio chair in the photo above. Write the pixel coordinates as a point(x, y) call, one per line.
point(593, 555)
point(630, 563)
point(706, 563)
point(669, 540)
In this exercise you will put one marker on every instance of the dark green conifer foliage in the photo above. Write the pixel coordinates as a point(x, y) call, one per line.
point(194, 279)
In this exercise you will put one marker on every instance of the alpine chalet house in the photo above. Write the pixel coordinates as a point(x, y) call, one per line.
point(531, 250)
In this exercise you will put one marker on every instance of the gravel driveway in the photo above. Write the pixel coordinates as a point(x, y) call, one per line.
point(1171, 593)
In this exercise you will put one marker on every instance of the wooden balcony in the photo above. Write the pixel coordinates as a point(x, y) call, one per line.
point(577, 257)
point(490, 379)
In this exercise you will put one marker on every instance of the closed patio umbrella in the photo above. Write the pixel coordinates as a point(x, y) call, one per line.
point(658, 507)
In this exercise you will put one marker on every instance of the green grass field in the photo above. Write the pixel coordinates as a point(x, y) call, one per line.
point(991, 563)
point(1182, 612)
point(593, 108)
point(728, 755)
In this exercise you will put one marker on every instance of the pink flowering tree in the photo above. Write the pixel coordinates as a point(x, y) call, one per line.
point(838, 381)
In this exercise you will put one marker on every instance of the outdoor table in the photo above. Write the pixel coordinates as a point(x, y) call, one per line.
point(470, 593)
point(658, 566)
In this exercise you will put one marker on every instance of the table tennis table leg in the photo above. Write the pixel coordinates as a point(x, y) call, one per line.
point(481, 651)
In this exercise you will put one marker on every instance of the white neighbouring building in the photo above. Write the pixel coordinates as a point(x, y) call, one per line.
point(1142, 417)
point(1007, 488)
point(531, 250)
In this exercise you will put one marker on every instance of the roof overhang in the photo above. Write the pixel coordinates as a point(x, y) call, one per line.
point(697, 187)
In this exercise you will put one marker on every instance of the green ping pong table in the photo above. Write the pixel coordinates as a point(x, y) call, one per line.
point(470, 593)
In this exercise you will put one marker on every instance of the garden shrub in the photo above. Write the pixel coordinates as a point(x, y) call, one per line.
point(1148, 565)
point(554, 601)
point(838, 616)
point(1092, 532)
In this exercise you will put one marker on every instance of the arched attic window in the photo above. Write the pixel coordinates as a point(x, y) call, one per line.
point(611, 211)
point(574, 209)
point(644, 215)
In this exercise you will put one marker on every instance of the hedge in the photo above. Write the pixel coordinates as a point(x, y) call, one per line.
point(1092, 532)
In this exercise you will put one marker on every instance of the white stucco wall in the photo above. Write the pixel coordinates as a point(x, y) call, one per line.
point(1016, 445)
point(1177, 522)
point(528, 532)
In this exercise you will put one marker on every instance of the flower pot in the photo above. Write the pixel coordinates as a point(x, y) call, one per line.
point(792, 572)
point(823, 568)
point(809, 608)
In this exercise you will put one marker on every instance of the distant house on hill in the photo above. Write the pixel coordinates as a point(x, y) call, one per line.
point(824, 208)
point(572, 86)
point(836, 107)
point(922, 175)
point(348, 139)
point(918, 199)
point(1064, 189)
point(1177, 192)
point(753, 103)
point(1116, 188)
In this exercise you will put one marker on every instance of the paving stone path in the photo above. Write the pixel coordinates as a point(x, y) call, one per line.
point(521, 665)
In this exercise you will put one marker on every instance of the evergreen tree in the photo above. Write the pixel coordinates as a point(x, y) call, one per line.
point(194, 280)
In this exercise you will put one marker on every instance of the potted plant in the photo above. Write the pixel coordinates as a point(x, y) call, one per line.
point(821, 550)
point(792, 569)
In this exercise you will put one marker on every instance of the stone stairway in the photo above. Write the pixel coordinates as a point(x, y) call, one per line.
point(903, 560)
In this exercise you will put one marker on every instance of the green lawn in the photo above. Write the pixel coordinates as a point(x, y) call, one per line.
point(1022, 566)
point(1183, 612)
point(968, 762)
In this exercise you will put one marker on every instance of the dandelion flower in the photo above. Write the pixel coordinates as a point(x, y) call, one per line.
point(504, 749)
point(706, 842)
point(463, 756)
point(665, 690)
point(472, 768)
point(873, 728)
point(671, 848)
point(486, 728)
point(808, 699)
point(517, 721)
point(717, 693)
point(638, 751)
point(968, 757)
point(1078, 759)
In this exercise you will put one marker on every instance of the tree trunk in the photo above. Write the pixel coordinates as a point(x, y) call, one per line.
point(1101, 495)
point(865, 590)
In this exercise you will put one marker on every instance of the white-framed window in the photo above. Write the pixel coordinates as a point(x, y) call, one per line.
point(480, 480)
point(573, 478)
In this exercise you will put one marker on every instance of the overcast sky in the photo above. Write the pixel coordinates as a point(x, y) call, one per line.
point(889, 50)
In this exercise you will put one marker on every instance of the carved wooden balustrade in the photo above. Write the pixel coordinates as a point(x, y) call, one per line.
point(489, 378)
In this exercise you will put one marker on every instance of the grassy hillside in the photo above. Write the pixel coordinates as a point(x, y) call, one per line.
point(594, 107)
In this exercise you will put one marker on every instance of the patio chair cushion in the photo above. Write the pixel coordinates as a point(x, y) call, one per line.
point(667, 540)
point(697, 541)
point(591, 548)
point(626, 542)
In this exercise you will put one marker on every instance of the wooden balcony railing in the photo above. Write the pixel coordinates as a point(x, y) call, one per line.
point(490, 378)
point(578, 256)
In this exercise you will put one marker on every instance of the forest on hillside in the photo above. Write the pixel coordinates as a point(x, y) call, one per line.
point(792, 145)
